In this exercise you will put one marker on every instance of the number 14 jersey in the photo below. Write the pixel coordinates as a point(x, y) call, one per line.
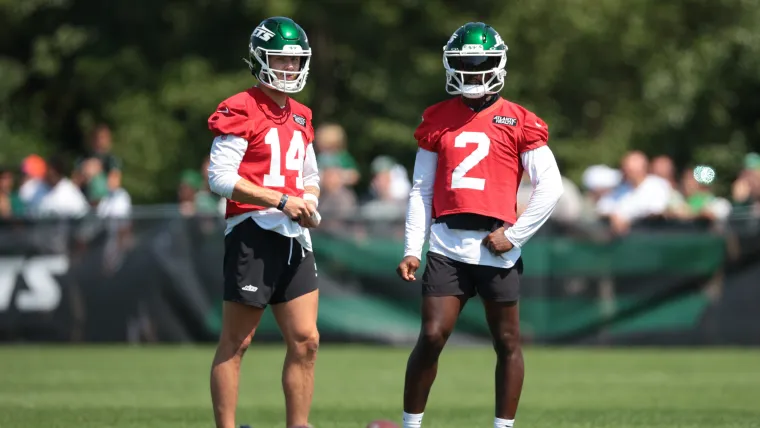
point(278, 140)
point(479, 166)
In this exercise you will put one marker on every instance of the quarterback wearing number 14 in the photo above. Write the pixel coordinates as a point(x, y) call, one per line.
point(262, 161)
point(473, 149)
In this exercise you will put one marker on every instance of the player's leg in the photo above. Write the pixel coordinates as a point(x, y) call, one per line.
point(504, 323)
point(500, 292)
point(239, 323)
point(445, 292)
point(250, 270)
point(439, 316)
point(295, 305)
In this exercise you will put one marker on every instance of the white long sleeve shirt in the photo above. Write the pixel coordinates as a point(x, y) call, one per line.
point(466, 245)
point(226, 155)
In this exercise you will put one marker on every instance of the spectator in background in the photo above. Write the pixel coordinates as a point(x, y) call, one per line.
point(61, 197)
point(389, 190)
point(88, 173)
point(330, 145)
point(663, 167)
point(98, 159)
point(33, 169)
point(745, 191)
point(108, 203)
point(10, 202)
point(113, 209)
point(337, 203)
point(599, 181)
point(205, 201)
point(640, 196)
point(191, 182)
point(700, 202)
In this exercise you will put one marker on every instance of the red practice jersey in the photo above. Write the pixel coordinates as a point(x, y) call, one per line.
point(277, 141)
point(479, 165)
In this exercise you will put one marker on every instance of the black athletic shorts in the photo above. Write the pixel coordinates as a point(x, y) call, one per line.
point(446, 277)
point(263, 267)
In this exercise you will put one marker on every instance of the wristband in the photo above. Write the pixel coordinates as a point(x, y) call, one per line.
point(283, 201)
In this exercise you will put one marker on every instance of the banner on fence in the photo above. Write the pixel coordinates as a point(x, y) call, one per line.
point(159, 280)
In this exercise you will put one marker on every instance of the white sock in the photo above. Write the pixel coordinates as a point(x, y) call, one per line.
point(412, 420)
point(503, 423)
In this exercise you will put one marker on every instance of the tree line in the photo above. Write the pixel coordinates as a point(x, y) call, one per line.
point(677, 78)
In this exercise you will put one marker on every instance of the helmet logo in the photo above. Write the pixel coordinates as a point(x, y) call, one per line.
point(471, 48)
point(292, 49)
point(498, 40)
point(453, 37)
point(263, 33)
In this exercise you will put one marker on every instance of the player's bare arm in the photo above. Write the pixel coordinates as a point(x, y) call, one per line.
point(311, 197)
point(249, 193)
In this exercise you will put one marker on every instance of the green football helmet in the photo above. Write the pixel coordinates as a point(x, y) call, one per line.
point(475, 50)
point(279, 36)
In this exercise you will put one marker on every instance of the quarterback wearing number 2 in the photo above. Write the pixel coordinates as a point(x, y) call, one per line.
point(263, 163)
point(473, 150)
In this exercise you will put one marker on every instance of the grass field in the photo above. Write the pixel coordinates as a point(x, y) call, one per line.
point(167, 387)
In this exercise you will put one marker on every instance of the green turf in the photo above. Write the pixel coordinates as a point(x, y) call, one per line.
point(166, 387)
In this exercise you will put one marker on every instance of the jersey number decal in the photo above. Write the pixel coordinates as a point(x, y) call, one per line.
point(458, 180)
point(293, 159)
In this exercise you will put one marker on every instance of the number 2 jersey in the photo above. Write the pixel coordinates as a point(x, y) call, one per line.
point(269, 146)
point(474, 167)
point(479, 166)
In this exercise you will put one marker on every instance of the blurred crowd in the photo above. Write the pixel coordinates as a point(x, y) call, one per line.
point(91, 184)
point(641, 189)
point(64, 188)
point(637, 189)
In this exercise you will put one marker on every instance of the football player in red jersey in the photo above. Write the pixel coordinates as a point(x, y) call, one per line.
point(473, 149)
point(263, 163)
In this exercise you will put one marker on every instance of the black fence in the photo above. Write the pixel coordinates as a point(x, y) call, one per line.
point(158, 279)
